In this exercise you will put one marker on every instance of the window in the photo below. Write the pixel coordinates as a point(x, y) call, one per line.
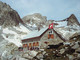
point(24, 45)
point(51, 32)
point(50, 35)
point(37, 43)
point(46, 42)
point(29, 44)
point(34, 44)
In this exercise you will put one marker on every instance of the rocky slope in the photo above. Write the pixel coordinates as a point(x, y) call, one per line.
point(72, 20)
point(8, 16)
point(12, 30)
point(35, 20)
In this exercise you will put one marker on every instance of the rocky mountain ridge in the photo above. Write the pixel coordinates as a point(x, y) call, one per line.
point(12, 30)
point(37, 20)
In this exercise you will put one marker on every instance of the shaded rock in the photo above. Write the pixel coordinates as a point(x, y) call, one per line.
point(8, 16)
point(44, 52)
point(78, 50)
point(33, 53)
point(35, 20)
point(76, 46)
point(55, 46)
point(40, 56)
point(62, 51)
point(72, 20)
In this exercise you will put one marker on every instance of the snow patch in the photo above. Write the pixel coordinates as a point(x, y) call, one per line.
point(16, 40)
point(67, 31)
point(33, 53)
point(61, 24)
point(23, 29)
point(34, 25)
point(35, 18)
point(7, 31)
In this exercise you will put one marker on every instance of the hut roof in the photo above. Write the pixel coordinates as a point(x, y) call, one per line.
point(36, 34)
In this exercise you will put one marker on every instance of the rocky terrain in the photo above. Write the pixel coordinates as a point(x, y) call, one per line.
point(72, 20)
point(8, 16)
point(13, 29)
point(39, 21)
point(35, 20)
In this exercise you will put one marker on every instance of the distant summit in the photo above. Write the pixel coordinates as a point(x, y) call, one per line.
point(35, 20)
point(72, 20)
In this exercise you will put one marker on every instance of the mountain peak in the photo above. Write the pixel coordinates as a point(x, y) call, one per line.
point(72, 20)
point(8, 16)
point(73, 16)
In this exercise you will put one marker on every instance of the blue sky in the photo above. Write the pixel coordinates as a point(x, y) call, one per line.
point(53, 9)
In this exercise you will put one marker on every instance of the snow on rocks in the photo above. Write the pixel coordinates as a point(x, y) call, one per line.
point(62, 51)
point(40, 56)
point(68, 31)
point(14, 40)
point(66, 43)
point(7, 31)
point(33, 53)
point(61, 23)
point(15, 34)
point(23, 29)
point(76, 46)
point(41, 49)
point(29, 54)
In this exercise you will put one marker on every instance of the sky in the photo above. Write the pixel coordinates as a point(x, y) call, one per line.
point(52, 9)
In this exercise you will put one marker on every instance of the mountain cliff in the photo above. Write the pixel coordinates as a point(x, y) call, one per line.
point(12, 30)
point(8, 16)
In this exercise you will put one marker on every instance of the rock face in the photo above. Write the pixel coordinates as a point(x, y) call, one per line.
point(12, 31)
point(72, 20)
point(35, 20)
point(8, 16)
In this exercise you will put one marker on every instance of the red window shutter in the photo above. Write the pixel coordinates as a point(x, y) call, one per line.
point(34, 44)
point(29, 44)
point(52, 36)
point(37, 43)
point(48, 36)
point(24, 45)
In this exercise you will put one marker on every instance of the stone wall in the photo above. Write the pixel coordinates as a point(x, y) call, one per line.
point(50, 41)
